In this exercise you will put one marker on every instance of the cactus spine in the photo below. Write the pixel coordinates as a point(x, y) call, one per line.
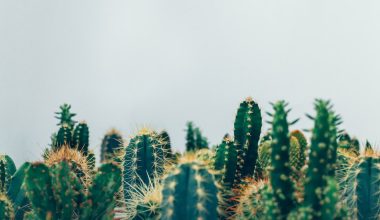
point(7, 169)
point(189, 193)
point(111, 144)
point(144, 159)
point(322, 156)
point(281, 170)
point(247, 129)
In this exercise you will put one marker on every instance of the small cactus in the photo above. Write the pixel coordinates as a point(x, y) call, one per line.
point(111, 144)
point(65, 116)
point(164, 136)
point(190, 192)
point(80, 139)
point(247, 129)
point(7, 169)
point(190, 137)
point(302, 141)
point(64, 137)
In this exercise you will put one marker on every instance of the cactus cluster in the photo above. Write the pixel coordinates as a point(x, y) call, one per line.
point(283, 175)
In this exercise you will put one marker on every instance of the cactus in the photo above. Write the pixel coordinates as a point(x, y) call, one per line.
point(331, 207)
point(64, 137)
point(164, 136)
point(190, 192)
point(190, 139)
point(247, 129)
point(6, 209)
point(303, 147)
point(65, 116)
point(80, 139)
point(349, 144)
point(295, 158)
point(200, 141)
point(361, 188)
point(263, 160)
point(111, 144)
point(7, 169)
point(225, 160)
point(56, 192)
point(280, 170)
point(144, 159)
point(321, 159)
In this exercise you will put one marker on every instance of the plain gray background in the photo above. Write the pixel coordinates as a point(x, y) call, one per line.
point(128, 64)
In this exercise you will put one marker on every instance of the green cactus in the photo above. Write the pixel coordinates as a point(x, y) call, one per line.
point(247, 129)
point(143, 160)
point(80, 138)
point(263, 160)
point(322, 156)
point(349, 144)
point(6, 208)
point(295, 158)
point(189, 193)
point(64, 137)
point(164, 136)
point(190, 137)
point(200, 141)
point(331, 207)
point(16, 191)
point(7, 169)
point(65, 116)
point(225, 161)
point(111, 144)
point(303, 147)
point(280, 170)
point(361, 189)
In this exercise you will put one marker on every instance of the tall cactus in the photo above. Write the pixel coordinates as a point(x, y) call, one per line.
point(247, 129)
point(361, 189)
point(225, 161)
point(321, 158)
point(280, 172)
point(111, 144)
point(7, 169)
point(189, 193)
point(6, 209)
point(81, 138)
point(144, 159)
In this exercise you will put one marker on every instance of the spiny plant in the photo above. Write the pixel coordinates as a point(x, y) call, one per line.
point(280, 162)
point(56, 192)
point(64, 137)
point(194, 138)
point(7, 169)
point(144, 159)
point(361, 187)
point(200, 141)
point(302, 141)
point(164, 136)
point(225, 161)
point(6, 208)
point(190, 192)
point(322, 156)
point(65, 116)
point(247, 129)
point(349, 144)
point(111, 145)
point(80, 138)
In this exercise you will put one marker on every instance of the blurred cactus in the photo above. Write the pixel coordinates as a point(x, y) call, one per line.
point(189, 192)
point(263, 160)
point(303, 147)
point(190, 137)
point(6, 208)
point(200, 141)
point(247, 129)
point(349, 144)
point(164, 136)
point(280, 168)
point(7, 169)
point(65, 116)
point(225, 161)
point(111, 145)
point(144, 159)
point(56, 192)
point(80, 138)
point(64, 137)
point(322, 155)
point(251, 202)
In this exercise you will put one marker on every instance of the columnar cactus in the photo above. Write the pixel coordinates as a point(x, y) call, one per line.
point(189, 193)
point(80, 139)
point(7, 169)
point(280, 170)
point(247, 129)
point(64, 137)
point(295, 158)
point(144, 159)
point(303, 146)
point(111, 144)
point(263, 160)
point(164, 136)
point(331, 207)
point(225, 161)
point(6, 209)
point(56, 192)
point(322, 156)
point(190, 137)
point(361, 188)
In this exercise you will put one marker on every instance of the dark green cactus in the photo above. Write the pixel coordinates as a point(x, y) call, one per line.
point(64, 137)
point(189, 193)
point(111, 144)
point(164, 136)
point(80, 138)
point(6, 208)
point(349, 144)
point(295, 158)
point(225, 161)
point(331, 207)
point(7, 169)
point(16, 192)
point(361, 189)
point(65, 116)
point(190, 137)
point(263, 160)
point(247, 129)
point(322, 156)
point(200, 141)
point(280, 170)
point(144, 159)
point(303, 146)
